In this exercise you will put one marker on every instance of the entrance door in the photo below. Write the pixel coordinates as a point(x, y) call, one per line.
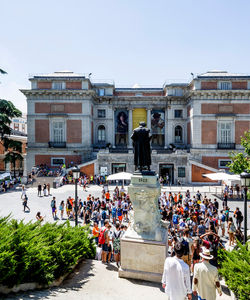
point(167, 170)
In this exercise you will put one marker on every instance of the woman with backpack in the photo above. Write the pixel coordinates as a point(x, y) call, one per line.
point(231, 229)
point(117, 243)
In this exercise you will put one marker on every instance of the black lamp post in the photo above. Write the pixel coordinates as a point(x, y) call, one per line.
point(76, 175)
point(245, 178)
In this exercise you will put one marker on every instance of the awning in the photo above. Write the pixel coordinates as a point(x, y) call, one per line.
point(120, 176)
point(222, 176)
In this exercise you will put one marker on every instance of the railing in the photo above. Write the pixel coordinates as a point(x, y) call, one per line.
point(118, 150)
point(226, 146)
point(57, 144)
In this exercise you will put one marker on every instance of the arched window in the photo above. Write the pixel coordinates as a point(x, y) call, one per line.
point(101, 134)
point(178, 134)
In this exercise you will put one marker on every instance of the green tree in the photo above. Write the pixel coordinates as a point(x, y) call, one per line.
point(241, 161)
point(13, 148)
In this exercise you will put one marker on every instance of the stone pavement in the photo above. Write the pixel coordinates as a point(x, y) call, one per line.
point(93, 280)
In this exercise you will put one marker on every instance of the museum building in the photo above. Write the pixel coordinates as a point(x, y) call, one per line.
point(194, 125)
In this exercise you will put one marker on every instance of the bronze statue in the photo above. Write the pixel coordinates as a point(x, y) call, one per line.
point(141, 143)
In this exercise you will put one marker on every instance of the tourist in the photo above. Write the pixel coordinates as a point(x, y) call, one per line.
point(195, 253)
point(61, 208)
point(48, 188)
point(104, 240)
point(222, 218)
point(96, 232)
point(53, 207)
point(205, 280)
point(25, 205)
point(116, 238)
point(114, 212)
point(239, 217)
point(39, 190)
point(119, 213)
point(45, 189)
point(176, 276)
point(39, 217)
point(231, 229)
point(23, 192)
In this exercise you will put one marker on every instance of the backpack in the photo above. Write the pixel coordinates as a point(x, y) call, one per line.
point(102, 237)
point(117, 242)
point(223, 218)
point(104, 215)
point(185, 245)
point(52, 203)
point(175, 219)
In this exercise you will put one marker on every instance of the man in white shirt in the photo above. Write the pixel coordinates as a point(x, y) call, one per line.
point(176, 276)
point(206, 280)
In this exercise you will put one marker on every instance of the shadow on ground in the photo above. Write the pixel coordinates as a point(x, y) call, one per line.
point(82, 274)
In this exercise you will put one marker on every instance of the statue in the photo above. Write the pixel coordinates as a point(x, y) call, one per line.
point(141, 143)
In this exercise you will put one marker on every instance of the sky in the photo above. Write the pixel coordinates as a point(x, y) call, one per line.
point(131, 42)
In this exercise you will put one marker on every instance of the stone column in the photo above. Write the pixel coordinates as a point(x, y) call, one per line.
point(113, 129)
point(130, 126)
point(166, 128)
point(149, 118)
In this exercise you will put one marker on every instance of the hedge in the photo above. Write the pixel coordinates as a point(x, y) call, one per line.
point(40, 253)
point(235, 268)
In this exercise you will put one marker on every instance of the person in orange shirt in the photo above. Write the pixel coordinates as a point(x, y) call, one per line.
point(175, 199)
point(96, 232)
point(107, 196)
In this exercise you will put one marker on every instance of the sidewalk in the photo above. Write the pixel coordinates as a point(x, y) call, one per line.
point(93, 280)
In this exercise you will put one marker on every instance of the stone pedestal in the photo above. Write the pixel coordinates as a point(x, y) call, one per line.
point(144, 246)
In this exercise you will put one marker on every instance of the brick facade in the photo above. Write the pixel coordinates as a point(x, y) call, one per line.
point(42, 131)
point(225, 108)
point(239, 85)
point(46, 159)
point(74, 85)
point(240, 128)
point(44, 85)
point(209, 132)
point(213, 161)
point(89, 170)
point(197, 174)
point(209, 85)
point(74, 131)
point(68, 108)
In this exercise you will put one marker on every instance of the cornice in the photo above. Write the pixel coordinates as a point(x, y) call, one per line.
point(52, 92)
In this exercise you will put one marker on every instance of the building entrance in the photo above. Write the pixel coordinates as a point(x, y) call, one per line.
point(166, 171)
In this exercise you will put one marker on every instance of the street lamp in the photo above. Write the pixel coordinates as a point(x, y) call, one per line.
point(76, 175)
point(245, 180)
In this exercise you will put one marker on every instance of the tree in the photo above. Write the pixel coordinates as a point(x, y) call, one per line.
point(13, 153)
point(241, 161)
point(13, 148)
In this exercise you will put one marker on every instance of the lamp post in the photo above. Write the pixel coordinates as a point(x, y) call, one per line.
point(76, 175)
point(245, 178)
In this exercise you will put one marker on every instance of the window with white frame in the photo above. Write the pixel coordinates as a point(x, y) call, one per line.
point(58, 131)
point(58, 85)
point(101, 113)
point(101, 134)
point(225, 132)
point(225, 85)
point(223, 163)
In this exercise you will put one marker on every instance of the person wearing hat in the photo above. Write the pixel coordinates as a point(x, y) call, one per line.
point(176, 276)
point(206, 280)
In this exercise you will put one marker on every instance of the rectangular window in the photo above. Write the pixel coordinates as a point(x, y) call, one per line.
point(58, 85)
point(57, 161)
point(181, 172)
point(225, 85)
point(101, 113)
point(101, 92)
point(225, 132)
point(117, 168)
point(58, 132)
point(178, 113)
point(224, 163)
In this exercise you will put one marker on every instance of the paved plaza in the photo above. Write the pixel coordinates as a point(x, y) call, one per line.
point(92, 279)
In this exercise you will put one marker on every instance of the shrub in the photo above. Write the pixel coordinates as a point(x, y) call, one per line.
point(34, 253)
point(235, 268)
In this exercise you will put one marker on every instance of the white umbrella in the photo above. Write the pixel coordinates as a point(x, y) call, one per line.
point(120, 176)
point(222, 176)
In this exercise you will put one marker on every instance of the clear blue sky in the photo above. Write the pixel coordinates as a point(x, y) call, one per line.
point(129, 41)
